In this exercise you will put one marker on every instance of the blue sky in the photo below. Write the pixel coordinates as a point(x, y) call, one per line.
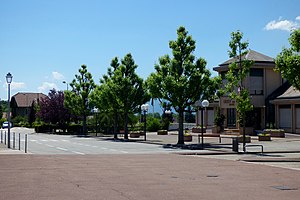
point(43, 42)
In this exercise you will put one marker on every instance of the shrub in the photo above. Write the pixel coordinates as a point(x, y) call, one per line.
point(74, 128)
point(153, 124)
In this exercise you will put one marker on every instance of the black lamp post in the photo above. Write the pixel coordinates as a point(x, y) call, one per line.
point(65, 82)
point(204, 104)
point(145, 108)
point(8, 81)
point(96, 111)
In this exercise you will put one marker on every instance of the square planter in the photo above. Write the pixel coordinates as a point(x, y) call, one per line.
point(188, 138)
point(248, 131)
point(134, 134)
point(240, 139)
point(198, 130)
point(162, 132)
point(216, 129)
point(275, 132)
point(264, 138)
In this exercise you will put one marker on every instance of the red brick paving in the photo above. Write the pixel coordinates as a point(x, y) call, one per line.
point(139, 177)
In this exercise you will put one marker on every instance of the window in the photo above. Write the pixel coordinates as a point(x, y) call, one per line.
point(256, 81)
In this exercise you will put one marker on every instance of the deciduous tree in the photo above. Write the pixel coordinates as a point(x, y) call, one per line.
point(181, 79)
point(77, 100)
point(239, 69)
point(288, 61)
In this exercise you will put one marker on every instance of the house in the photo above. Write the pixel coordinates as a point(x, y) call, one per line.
point(264, 85)
point(21, 103)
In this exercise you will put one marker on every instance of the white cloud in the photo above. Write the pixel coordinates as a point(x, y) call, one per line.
point(46, 87)
point(57, 76)
point(280, 24)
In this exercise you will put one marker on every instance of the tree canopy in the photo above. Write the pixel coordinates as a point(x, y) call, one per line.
point(181, 79)
point(77, 100)
point(239, 69)
point(288, 60)
point(52, 109)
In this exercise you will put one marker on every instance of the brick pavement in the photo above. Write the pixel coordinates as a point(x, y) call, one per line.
point(139, 177)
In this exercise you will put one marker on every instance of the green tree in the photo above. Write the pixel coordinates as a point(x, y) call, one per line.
point(77, 100)
point(105, 95)
point(239, 69)
point(132, 90)
point(181, 79)
point(121, 91)
point(288, 60)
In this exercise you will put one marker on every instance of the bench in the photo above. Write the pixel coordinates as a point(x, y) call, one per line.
point(254, 145)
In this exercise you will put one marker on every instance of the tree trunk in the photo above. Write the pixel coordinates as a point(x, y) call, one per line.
point(115, 125)
point(180, 130)
point(126, 126)
point(244, 132)
point(84, 129)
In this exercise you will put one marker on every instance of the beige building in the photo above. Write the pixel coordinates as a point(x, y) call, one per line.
point(287, 110)
point(264, 85)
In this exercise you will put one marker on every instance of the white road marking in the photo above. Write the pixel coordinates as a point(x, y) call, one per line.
point(103, 148)
point(63, 149)
point(48, 145)
point(38, 143)
point(78, 152)
point(123, 151)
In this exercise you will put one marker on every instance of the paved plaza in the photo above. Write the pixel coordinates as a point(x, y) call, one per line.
point(139, 169)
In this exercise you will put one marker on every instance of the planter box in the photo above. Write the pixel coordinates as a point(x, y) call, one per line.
point(216, 129)
point(248, 131)
point(134, 134)
point(188, 138)
point(264, 138)
point(275, 132)
point(198, 130)
point(240, 139)
point(162, 132)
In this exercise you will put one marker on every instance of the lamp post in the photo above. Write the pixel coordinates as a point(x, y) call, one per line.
point(145, 108)
point(204, 104)
point(96, 111)
point(8, 81)
point(65, 82)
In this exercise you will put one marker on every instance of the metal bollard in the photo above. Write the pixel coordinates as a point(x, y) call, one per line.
point(25, 143)
point(1, 137)
point(235, 145)
point(14, 140)
point(19, 141)
point(5, 137)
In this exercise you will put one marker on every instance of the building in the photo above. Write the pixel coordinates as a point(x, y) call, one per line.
point(287, 110)
point(264, 85)
point(21, 103)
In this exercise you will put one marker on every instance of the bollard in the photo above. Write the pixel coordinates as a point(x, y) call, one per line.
point(235, 145)
point(25, 143)
point(1, 137)
point(5, 137)
point(19, 141)
point(14, 140)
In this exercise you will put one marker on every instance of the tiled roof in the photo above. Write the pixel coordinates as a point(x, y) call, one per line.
point(290, 93)
point(26, 99)
point(252, 55)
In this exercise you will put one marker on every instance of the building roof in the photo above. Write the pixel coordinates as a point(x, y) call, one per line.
point(251, 55)
point(25, 99)
point(290, 93)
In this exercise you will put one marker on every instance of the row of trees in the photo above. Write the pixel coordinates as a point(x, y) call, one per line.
point(179, 80)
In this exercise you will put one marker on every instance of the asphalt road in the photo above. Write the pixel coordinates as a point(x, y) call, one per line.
point(65, 144)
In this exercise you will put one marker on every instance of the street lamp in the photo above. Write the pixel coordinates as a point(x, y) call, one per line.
point(145, 108)
point(8, 81)
point(65, 82)
point(204, 104)
point(96, 111)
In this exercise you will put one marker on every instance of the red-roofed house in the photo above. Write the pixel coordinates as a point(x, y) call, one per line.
point(22, 102)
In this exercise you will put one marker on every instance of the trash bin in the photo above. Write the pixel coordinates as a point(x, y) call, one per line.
point(235, 145)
